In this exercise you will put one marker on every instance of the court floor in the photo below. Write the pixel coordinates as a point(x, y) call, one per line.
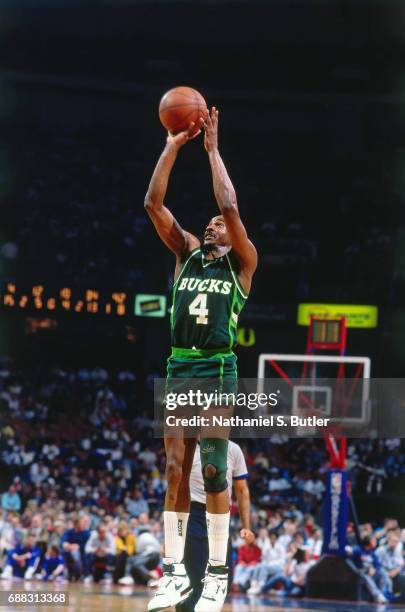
point(100, 598)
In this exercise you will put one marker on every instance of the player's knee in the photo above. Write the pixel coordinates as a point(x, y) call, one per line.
point(210, 471)
point(174, 473)
point(214, 465)
point(214, 479)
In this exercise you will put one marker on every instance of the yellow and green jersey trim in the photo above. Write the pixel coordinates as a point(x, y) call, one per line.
point(185, 353)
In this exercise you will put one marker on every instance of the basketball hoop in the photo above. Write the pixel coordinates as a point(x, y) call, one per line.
point(324, 382)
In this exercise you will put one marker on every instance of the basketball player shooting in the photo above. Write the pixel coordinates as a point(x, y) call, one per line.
point(212, 282)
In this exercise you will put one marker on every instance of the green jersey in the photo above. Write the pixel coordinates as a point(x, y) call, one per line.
point(207, 300)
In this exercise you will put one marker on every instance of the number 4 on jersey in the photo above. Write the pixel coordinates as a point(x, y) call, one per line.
point(198, 308)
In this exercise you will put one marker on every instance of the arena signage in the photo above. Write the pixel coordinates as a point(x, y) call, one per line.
point(150, 305)
point(246, 336)
point(357, 315)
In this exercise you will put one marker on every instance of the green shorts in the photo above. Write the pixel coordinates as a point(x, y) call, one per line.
point(215, 370)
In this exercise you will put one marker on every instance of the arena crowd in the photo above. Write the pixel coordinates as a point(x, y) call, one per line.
point(83, 490)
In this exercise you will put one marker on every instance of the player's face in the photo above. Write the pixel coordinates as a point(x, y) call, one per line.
point(216, 232)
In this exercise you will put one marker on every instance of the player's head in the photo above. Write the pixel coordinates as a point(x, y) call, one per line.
point(216, 233)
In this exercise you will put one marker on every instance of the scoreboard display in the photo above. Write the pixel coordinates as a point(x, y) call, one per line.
point(65, 299)
point(41, 299)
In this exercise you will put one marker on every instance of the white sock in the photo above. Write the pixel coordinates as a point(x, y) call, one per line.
point(218, 535)
point(175, 524)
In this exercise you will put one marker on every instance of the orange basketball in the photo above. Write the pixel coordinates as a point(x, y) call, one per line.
point(179, 107)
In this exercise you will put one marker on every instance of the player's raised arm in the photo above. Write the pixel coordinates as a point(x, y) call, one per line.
point(226, 199)
point(175, 238)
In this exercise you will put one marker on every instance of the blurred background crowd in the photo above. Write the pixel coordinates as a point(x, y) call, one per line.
point(81, 463)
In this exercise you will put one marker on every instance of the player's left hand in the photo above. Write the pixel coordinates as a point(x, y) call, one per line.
point(247, 535)
point(180, 139)
point(210, 126)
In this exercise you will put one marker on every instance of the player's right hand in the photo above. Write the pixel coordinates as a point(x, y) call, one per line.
point(181, 138)
point(247, 535)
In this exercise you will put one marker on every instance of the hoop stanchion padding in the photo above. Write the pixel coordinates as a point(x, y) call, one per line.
point(336, 513)
point(333, 577)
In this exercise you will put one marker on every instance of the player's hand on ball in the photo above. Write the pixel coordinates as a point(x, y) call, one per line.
point(211, 130)
point(181, 138)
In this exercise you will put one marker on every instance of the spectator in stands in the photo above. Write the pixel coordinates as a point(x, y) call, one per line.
point(100, 554)
point(10, 500)
point(38, 532)
point(125, 548)
point(278, 482)
point(73, 545)
point(289, 529)
point(374, 577)
point(294, 576)
point(314, 486)
point(140, 566)
point(148, 457)
point(12, 533)
point(249, 555)
point(39, 472)
point(22, 561)
point(56, 533)
point(272, 562)
point(53, 565)
point(142, 523)
point(315, 543)
point(389, 524)
point(390, 555)
point(136, 504)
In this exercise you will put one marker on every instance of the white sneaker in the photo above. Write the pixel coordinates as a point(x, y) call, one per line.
point(173, 588)
point(7, 573)
point(215, 590)
point(255, 588)
point(381, 598)
point(88, 580)
point(126, 581)
point(29, 574)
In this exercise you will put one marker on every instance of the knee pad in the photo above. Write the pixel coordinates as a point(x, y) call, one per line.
point(214, 455)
